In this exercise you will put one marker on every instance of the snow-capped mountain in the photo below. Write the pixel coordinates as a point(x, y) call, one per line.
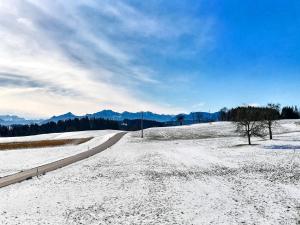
point(106, 114)
point(67, 116)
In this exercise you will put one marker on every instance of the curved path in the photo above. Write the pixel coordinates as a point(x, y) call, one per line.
point(36, 171)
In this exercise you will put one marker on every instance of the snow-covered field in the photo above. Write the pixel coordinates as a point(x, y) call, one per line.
point(13, 161)
point(200, 174)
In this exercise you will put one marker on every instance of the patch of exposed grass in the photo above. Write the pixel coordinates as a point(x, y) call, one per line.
point(42, 143)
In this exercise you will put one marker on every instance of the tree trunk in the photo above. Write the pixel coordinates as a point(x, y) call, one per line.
point(270, 133)
point(248, 134)
point(249, 139)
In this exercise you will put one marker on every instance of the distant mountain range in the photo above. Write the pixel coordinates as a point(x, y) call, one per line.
point(10, 120)
point(109, 114)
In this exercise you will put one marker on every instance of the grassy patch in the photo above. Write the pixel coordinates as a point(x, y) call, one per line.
point(42, 143)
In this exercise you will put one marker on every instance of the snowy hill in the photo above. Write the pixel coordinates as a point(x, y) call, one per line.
point(197, 174)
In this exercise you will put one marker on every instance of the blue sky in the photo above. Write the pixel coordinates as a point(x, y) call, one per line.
point(165, 56)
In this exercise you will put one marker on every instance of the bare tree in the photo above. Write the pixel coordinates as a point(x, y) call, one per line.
point(180, 118)
point(270, 115)
point(249, 122)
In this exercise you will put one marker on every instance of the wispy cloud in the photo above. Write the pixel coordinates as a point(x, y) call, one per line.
point(82, 56)
point(21, 81)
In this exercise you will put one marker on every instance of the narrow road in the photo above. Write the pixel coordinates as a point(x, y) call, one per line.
point(36, 171)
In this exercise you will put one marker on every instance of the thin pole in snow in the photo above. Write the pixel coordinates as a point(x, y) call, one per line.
point(142, 125)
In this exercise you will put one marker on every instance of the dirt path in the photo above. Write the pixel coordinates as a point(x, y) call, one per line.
point(36, 171)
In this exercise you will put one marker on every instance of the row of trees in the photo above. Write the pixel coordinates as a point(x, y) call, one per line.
point(287, 112)
point(290, 113)
point(61, 126)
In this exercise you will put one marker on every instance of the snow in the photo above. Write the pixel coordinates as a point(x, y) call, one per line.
point(199, 174)
point(13, 161)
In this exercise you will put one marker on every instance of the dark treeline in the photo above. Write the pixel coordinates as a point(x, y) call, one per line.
point(290, 113)
point(287, 112)
point(133, 125)
point(61, 126)
point(74, 125)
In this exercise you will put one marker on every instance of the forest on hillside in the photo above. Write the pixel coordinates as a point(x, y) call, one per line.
point(76, 124)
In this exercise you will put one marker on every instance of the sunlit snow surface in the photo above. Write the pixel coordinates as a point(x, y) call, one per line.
point(200, 174)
